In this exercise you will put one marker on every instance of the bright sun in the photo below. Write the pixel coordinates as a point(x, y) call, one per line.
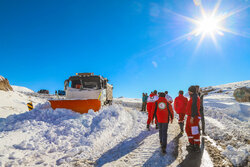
point(208, 25)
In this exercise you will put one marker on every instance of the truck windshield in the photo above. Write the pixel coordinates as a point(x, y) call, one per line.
point(93, 85)
point(86, 83)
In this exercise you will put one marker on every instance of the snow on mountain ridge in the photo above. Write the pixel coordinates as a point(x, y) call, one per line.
point(1, 78)
point(21, 89)
point(227, 88)
point(235, 84)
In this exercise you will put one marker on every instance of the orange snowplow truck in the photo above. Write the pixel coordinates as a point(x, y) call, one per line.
point(85, 91)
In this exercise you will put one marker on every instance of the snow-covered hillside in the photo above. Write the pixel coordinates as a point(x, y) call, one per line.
point(228, 121)
point(15, 102)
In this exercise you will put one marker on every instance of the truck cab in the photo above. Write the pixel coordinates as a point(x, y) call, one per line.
point(89, 86)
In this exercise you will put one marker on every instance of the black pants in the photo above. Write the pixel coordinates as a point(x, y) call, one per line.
point(202, 121)
point(143, 108)
point(163, 132)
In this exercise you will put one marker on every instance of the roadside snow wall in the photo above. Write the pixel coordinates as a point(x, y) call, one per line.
point(45, 136)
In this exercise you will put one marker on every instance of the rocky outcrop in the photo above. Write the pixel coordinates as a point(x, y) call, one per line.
point(4, 84)
point(242, 94)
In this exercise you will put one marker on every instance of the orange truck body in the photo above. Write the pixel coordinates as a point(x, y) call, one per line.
point(80, 106)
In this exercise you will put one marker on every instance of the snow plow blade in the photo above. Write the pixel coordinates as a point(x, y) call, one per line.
point(80, 106)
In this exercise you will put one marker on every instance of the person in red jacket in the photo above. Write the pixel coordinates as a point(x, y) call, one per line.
point(150, 101)
point(192, 123)
point(164, 114)
point(180, 104)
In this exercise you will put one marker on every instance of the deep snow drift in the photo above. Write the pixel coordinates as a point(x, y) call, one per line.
point(46, 136)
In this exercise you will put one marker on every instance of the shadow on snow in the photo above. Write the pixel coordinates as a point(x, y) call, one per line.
point(193, 159)
point(123, 148)
point(159, 159)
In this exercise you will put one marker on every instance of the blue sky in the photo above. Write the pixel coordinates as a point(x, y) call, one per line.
point(43, 42)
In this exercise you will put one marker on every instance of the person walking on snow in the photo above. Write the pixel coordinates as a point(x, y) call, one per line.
point(164, 114)
point(201, 95)
point(150, 101)
point(192, 123)
point(180, 104)
point(144, 102)
point(169, 98)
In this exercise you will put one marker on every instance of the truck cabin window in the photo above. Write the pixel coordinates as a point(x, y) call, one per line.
point(91, 85)
point(85, 85)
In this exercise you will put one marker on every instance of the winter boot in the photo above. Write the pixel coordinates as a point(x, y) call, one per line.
point(163, 150)
point(197, 148)
point(190, 147)
point(148, 127)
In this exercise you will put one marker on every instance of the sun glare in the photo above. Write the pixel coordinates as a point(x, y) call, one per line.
point(208, 25)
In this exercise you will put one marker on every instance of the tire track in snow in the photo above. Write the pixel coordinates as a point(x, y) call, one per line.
point(131, 129)
point(143, 152)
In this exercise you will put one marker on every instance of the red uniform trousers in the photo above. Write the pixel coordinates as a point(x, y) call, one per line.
point(192, 130)
point(181, 118)
point(150, 113)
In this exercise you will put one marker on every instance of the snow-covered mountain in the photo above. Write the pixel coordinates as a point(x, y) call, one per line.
point(116, 135)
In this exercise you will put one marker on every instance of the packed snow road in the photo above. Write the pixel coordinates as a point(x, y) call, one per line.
point(142, 148)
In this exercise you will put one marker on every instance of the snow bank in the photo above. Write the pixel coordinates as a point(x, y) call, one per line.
point(228, 121)
point(52, 137)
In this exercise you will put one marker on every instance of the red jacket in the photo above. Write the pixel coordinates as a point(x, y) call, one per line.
point(193, 110)
point(161, 112)
point(180, 104)
point(150, 101)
